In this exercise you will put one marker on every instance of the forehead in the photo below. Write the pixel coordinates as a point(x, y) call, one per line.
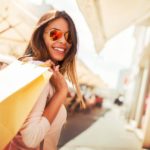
point(59, 23)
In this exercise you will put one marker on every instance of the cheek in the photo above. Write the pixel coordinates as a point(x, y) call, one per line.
point(48, 43)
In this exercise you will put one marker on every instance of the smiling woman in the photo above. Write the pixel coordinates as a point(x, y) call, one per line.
point(53, 44)
point(57, 40)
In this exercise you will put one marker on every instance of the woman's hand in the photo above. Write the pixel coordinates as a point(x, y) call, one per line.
point(60, 95)
point(57, 78)
point(59, 82)
point(48, 63)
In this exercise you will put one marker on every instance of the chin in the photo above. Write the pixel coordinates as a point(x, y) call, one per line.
point(59, 59)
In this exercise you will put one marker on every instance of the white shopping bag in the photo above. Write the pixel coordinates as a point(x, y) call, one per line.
point(20, 86)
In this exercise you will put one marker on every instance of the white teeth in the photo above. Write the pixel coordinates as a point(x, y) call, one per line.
point(59, 49)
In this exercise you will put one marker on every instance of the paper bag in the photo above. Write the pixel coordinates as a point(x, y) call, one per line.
point(20, 86)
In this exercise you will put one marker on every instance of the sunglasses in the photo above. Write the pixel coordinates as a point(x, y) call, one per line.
point(56, 34)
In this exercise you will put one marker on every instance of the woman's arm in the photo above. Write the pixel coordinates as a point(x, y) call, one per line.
point(61, 90)
point(54, 105)
point(38, 122)
point(36, 125)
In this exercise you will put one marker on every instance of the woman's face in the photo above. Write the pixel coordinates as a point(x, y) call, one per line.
point(56, 38)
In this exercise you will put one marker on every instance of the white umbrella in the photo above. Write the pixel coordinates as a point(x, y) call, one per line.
point(108, 17)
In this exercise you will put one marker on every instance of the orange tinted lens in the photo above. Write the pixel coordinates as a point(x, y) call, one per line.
point(55, 34)
point(68, 37)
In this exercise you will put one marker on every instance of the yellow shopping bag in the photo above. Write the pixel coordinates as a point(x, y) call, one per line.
point(20, 86)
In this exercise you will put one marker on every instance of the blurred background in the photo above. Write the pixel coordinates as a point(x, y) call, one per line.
point(113, 66)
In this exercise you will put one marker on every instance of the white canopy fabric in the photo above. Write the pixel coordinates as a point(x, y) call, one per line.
point(108, 17)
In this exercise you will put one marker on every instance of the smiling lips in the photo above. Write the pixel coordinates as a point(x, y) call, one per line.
point(59, 49)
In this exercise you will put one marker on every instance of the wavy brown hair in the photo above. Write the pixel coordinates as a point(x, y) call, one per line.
point(37, 48)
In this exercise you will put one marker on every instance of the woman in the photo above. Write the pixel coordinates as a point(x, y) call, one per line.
point(54, 44)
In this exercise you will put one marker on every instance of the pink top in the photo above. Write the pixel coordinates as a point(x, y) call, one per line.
point(37, 133)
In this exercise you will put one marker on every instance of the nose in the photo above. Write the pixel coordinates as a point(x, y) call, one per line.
point(62, 40)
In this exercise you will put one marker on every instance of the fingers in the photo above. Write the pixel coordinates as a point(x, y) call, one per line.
point(49, 63)
point(56, 68)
